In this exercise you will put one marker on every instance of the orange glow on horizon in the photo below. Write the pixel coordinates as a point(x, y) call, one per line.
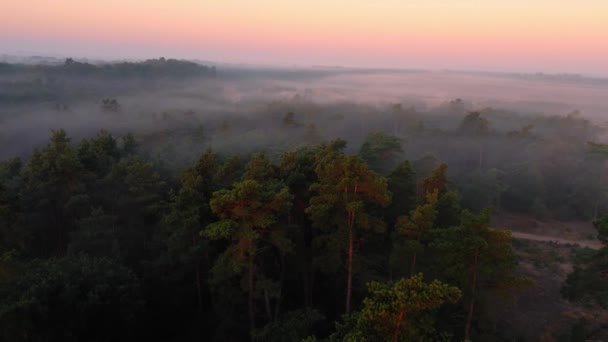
point(508, 34)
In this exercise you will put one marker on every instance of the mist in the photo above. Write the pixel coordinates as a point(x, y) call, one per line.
point(338, 102)
point(175, 110)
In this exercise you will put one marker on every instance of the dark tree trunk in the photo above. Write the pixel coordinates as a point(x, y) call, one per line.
point(60, 246)
point(480, 155)
point(311, 288)
point(250, 300)
point(267, 302)
point(199, 295)
point(474, 271)
point(280, 296)
point(414, 257)
point(413, 266)
point(308, 269)
point(306, 286)
point(349, 281)
point(197, 272)
point(396, 333)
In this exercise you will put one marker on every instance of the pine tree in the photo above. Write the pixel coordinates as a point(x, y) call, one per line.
point(345, 187)
point(417, 224)
point(474, 254)
point(249, 214)
point(52, 191)
point(399, 311)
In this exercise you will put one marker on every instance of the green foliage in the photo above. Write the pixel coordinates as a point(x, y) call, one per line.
point(10, 236)
point(589, 284)
point(400, 311)
point(52, 185)
point(483, 190)
point(414, 227)
point(129, 145)
point(601, 225)
point(402, 184)
point(252, 206)
point(100, 153)
point(526, 191)
point(345, 185)
point(424, 166)
point(71, 299)
point(436, 182)
point(583, 255)
point(248, 215)
point(448, 204)
point(477, 258)
point(420, 219)
point(589, 280)
point(189, 211)
point(95, 236)
point(474, 124)
point(598, 149)
point(91, 232)
point(448, 210)
point(474, 237)
point(345, 188)
point(292, 326)
point(380, 151)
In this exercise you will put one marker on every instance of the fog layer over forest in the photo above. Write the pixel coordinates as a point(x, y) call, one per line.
point(339, 102)
point(227, 203)
point(177, 109)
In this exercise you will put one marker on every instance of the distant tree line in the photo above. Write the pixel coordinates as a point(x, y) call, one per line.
point(23, 83)
point(151, 68)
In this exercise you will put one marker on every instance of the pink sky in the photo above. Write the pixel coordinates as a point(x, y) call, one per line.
point(514, 35)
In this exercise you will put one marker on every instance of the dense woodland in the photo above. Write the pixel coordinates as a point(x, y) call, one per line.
point(26, 84)
point(305, 222)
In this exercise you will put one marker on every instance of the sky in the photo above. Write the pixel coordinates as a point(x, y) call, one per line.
point(513, 35)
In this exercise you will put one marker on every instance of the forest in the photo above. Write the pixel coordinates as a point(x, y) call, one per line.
point(169, 200)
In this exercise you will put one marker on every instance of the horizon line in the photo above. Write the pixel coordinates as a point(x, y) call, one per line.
point(270, 65)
